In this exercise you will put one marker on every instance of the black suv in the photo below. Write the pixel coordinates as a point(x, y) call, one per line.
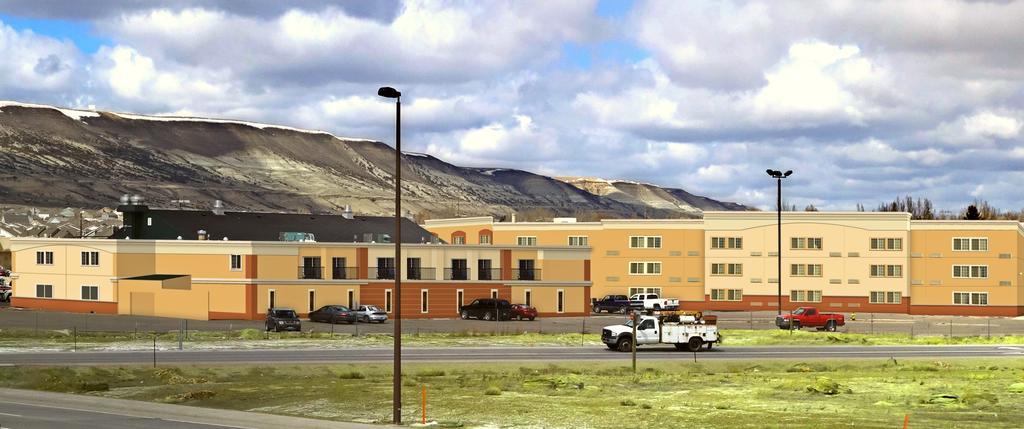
point(487, 309)
point(283, 319)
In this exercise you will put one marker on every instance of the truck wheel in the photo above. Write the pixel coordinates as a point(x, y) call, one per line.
point(487, 316)
point(625, 344)
point(623, 310)
point(796, 325)
point(694, 344)
point(709, 344)
point(464, 314)
point(597, 310)
point(830, 326)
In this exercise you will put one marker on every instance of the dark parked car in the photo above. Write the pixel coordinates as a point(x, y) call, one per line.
point(523, 311)
point(612, 304)
point(487, 309)
point(283, 319)
point(333, 314)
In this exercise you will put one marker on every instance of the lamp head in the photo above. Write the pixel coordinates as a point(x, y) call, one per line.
point(788, 172)
point(388, 92)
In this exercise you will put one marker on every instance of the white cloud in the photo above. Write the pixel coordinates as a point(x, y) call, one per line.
point(33, 63)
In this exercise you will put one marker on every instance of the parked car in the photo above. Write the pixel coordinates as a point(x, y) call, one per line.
point(283, 319)
point(523, 311)
point(612, 304)
point(651, 301)
point(370, 313)
point(810, 317)
point(333, 314)
point(487, 309)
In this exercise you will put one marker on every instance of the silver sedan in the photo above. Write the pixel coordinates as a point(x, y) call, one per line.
point(370, 313)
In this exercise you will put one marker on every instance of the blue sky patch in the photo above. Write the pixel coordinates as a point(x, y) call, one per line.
point(80, 33)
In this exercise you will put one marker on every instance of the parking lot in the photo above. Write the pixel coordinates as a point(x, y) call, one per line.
point(864, 323)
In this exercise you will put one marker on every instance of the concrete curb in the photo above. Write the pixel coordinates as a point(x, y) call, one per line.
point(180, 413)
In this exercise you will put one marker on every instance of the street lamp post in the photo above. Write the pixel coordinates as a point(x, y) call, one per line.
point(778, 175)
point(389, 92)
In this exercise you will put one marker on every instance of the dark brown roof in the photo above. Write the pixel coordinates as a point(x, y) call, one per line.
point(247, 226)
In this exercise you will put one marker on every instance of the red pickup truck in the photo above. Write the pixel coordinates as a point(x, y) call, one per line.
point(810, 317)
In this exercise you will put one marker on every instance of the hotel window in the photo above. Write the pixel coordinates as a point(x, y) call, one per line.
point(90, 259)
point(726, 294)
point(494, 294)
point(459, 239)
point(970, 271)
point(727, 269)
point(528, 298)
point(423, 301)
point(44, 291)
point(808, 243)
point(44, 258)
point(561, 301)
point(90, 293)
point(645, 268)
point(805, 296)
point(805, 270)
point(726, 242)
point(578, 241)
point(886, 271)
point(886, 244)
point(526, 241)
point(485, 239)
point(236, 262)
point(970, 244)
point(636, 290)
point(970, 298)
point(387, 300)
point(644, 242)
point(885, 297)
point(312, 300)
point(351, 298)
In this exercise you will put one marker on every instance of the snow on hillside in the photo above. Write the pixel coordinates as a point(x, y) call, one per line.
point(78, 114)
point(71, 113)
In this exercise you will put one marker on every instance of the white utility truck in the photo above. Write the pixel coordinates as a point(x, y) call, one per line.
point(687, 331)
point(651, 301)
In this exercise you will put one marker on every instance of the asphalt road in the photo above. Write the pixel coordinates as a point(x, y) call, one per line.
point(23, 409)
point(500, 354)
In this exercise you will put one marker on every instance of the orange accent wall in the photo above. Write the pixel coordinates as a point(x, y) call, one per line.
point(251, 265)
point(968, 310)
point(362, 262)
point(506, 264)
point(73, 306)
point(586, 271)
point(441, 297)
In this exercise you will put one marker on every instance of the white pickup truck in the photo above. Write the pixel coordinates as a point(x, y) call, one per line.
point(651, 301)
point(687, 331)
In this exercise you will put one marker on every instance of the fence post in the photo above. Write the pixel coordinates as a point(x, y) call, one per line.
point(154, 350)
point(989, 320)
point(950, 328)
point(751, 314)
point(180, 328)
point(872, 323)
point(583, 332)
point(75, 335)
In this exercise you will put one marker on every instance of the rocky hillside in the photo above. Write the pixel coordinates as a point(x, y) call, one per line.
point(53, 157)
point(648, 195)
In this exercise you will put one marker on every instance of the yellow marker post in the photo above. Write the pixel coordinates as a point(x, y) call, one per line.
point(906, 421)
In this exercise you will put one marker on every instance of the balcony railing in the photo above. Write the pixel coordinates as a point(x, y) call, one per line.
point(381, 273)
point(489, 274)
point(456, 273)
point(344, 273)
point(306, 272)
point(526, 274)
point(420, 273)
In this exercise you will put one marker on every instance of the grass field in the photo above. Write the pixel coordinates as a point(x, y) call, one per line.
point(959, 393)
point(26, 339)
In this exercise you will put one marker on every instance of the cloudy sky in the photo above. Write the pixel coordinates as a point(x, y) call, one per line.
point(865, 100)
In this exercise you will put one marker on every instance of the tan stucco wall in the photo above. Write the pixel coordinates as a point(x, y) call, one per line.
point(150, 297)
point(933, 258)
